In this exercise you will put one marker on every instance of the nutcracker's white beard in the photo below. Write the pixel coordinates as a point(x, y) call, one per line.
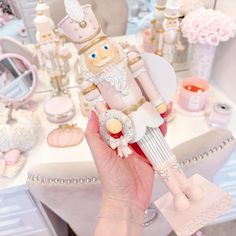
point(114, 74)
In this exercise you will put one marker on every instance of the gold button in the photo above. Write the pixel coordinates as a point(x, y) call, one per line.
point(83, 24)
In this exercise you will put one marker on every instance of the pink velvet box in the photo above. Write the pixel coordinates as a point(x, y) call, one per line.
point(59, 109)
point(193, 94)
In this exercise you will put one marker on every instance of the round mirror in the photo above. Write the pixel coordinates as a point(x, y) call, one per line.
point(17, 79)
point(10, 45)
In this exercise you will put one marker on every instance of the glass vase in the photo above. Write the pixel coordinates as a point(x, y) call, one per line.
point(202, 60)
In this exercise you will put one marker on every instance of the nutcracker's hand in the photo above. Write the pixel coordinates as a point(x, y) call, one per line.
point(162, 108)
point(114, 126)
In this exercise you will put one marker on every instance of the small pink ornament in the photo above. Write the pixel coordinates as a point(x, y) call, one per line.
point(59, 109)
point(193, 94)
point(12, 156)
point(9, 159)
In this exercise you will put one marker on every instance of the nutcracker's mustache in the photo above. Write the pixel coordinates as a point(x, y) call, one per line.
point(104, 61)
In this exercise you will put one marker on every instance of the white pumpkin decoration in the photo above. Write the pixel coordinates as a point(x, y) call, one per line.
point(21, 133)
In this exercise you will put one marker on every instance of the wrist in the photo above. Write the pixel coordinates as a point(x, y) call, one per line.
point(121, 210)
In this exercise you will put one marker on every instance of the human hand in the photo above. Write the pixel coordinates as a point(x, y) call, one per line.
point(129, 179)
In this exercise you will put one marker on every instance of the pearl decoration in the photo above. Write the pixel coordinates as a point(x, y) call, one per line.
point(207, 154)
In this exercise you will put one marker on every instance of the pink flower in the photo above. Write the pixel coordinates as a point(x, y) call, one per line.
point(208, 26)
point(192, 37)
point(213, 39)
point(224, 34)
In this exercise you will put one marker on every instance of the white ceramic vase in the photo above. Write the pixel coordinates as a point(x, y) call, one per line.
point(202, 60)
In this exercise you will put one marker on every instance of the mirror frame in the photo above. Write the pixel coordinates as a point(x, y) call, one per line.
point(19, 49)
point(16, 102)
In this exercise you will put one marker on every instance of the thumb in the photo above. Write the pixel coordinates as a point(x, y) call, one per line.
point(93, 124)
point(99, 149)
point(92, 133)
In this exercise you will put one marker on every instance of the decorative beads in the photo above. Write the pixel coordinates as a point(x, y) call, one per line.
point(38, 178)
point(90, 180)
point(206, 154)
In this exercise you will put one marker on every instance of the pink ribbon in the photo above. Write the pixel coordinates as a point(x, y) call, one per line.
point(10, 158)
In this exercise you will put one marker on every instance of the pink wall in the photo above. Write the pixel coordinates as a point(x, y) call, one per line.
point(224, 70)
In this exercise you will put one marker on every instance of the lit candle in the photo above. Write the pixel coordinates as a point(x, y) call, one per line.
point(193, 94)
point(194, 88)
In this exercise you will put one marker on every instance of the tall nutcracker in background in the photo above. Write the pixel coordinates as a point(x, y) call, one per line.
point(170, 38)
point(43, 7)
point(54, 56)
point(157, 25)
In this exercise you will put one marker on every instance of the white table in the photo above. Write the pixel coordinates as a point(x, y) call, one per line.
point(180, 130)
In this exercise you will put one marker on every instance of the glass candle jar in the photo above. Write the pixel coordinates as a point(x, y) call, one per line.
point(193, 94)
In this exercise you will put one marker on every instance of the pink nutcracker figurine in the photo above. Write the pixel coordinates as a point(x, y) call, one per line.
point(157, 26)
point(169, 36)
point(53, 55)
point(118, 79)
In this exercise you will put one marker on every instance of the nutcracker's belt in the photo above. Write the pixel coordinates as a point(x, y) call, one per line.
point(134, 107)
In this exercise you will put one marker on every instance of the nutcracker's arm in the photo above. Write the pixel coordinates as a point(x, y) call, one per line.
point(93, 96)
point(136, 65)
point(39, 54)
point(64, 53)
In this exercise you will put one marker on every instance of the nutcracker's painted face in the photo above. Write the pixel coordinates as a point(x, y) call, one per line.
point(46, 37)
point(172, 23)
point(100, 55)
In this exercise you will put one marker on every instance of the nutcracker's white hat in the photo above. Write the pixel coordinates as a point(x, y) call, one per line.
point(172, 9)
point(161, 3)
point(80, 25)
point(43, 7)
point(43, 23)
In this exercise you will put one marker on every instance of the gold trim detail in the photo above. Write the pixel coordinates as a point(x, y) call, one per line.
point(39, 13)
point(172, 17)
point(67, 126)
point(160, 30)
point(91, 43)
point(153, 21)
point(134, 60)
point(89, 89)
point(160, 8)
point(159, 53)
point(134, 107)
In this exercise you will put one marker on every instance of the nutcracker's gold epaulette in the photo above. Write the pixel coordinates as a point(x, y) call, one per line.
point(89, 89)
point(134, 60)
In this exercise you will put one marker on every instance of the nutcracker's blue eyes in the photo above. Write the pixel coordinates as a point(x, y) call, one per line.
point(105, 47)
point(93, 55)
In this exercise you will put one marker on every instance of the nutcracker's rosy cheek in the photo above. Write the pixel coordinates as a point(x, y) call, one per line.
point(106, 50)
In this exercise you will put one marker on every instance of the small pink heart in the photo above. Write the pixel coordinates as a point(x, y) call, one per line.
point(12, 156)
